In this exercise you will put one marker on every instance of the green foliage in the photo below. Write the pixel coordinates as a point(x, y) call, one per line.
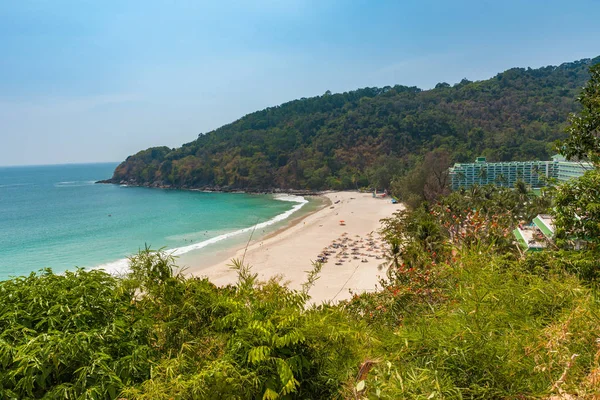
point(265, 346)
point(75, 335)
point(502, 333)
point(577, 212)
point(484, 216)
point(155, 335)
point(426, 181)
point(425, 242)
point(583, 142)
point(480, 217)
point(369, 137)
point(460, 315)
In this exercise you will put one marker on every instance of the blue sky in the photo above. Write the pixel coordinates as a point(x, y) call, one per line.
point(88, 81)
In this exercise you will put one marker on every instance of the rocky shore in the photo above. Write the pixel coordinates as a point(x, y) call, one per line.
point(212, 188)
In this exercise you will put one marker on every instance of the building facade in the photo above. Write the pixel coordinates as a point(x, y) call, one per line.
point(570, 169)
point(533, 173)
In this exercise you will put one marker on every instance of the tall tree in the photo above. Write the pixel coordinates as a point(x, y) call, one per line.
point(577, 208)
point(583, 142)
point(427, 181)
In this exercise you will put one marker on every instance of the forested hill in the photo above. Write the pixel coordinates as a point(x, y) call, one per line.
point(368, 136)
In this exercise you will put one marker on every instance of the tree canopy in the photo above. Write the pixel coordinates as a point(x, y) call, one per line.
point(577, 208)
point(369, 136)
point(583, 142)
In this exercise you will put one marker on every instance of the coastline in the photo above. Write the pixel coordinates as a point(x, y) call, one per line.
point(221, 246)
point(289, 252)
point(325, 202)
point(224, 251)
point(210, 188)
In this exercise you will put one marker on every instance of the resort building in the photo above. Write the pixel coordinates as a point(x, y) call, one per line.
point(537, 235)
point(570, 169)
point(534, 173)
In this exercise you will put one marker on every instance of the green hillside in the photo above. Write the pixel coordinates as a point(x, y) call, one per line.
point(369, 136)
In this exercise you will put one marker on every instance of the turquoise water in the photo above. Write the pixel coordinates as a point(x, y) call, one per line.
point(56, 216)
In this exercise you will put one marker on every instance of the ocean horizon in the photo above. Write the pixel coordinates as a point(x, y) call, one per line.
point(56, 216)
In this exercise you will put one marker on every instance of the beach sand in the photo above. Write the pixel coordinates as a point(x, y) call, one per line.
point(290, 252)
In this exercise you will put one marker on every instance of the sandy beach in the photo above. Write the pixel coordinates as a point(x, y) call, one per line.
point(353, 250)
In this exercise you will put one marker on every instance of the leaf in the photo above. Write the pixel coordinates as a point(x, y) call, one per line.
point(258, 354)
point(270, 394)
point(360, 386)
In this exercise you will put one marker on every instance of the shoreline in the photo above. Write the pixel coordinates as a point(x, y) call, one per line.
point(326, 202)
point(213, 189)
point(215, 244)
point(355, 250)
point(226, 254)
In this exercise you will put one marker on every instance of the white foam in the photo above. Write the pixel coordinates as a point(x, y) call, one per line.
point(290, 197)
point(278, 218)
point(121, 266)
point(73, 183)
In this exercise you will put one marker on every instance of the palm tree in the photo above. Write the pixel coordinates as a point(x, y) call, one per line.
point(501, 179)
point(475, 192)
point(461, 177)
point(521, 188)
point(393, 255)
point(482, 175)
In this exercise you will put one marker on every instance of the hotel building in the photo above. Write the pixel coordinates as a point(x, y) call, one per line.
point(533, 173)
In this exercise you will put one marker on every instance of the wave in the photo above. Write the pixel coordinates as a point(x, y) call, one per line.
point(74, 183)
point(290, 197)
point(278, 218)
point(121, 266)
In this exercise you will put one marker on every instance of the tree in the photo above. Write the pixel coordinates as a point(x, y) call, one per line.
point(461, 177)
point(427, 181)
point(482, 175)
point(436, 167)
point(501, 179)
point(583, 142)
point(577, 211)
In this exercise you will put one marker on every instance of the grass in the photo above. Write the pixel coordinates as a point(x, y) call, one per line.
point(503, 333)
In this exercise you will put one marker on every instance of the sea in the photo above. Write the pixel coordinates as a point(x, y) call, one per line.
point(57, 217)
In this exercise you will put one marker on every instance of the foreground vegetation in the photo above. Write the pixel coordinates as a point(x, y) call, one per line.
point(157, 335)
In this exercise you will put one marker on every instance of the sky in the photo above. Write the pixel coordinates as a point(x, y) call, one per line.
point(92, 81)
